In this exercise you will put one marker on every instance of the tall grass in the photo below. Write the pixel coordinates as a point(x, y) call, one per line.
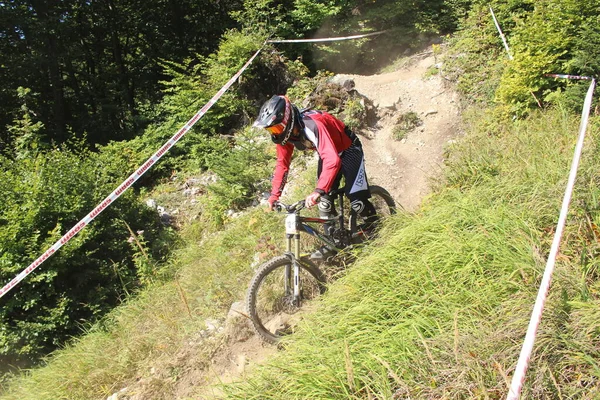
point(439, 307)
point(158, 328)
point(150, 343)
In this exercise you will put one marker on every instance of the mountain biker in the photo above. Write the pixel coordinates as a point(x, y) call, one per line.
point(340, 154)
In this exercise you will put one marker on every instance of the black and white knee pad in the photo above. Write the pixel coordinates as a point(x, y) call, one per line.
point(325, 205)
point(358, 206)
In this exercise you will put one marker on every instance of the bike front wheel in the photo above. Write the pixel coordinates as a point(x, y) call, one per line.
point(270, 299)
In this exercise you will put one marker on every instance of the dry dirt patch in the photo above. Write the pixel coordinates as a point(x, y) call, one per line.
point(405, 167)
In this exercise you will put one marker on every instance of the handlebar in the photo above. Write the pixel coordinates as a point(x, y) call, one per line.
point(299, 205)
point(291, 208)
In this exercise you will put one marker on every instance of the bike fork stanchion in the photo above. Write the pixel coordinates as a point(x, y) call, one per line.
point(288, 270)
point(296, 257)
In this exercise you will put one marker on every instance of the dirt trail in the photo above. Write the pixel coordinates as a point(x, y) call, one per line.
point(404, 167)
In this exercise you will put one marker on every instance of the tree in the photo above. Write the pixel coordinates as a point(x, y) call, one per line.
point(96, 63)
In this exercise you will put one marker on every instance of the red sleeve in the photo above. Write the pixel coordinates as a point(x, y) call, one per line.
point(284, 157)
point(331, 161)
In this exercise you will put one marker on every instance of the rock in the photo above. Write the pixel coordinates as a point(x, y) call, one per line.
point(165, 218)
point(344, 81)
point(212, 325)
point(190, 182)
point(237, 324)
point(151, 203)
point(241, 363)
point(236, 312)
point(118, 395)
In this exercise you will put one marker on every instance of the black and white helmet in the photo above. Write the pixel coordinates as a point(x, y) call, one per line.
point(277, 116)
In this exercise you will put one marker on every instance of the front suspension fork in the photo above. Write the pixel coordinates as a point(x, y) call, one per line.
point(293, 285)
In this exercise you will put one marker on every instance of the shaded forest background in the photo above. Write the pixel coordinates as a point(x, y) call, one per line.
point(95, 68)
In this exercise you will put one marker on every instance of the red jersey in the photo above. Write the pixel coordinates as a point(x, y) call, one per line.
point(328, 137)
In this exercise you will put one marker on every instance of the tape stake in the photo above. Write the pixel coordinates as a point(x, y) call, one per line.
point(329, 39)
point(536, 316)
point(126, 184)
point(510, 57)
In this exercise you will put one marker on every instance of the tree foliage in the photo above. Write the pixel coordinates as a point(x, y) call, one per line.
point(403, 21)
point(96, 64)
point(42, 196)
point(557, 36)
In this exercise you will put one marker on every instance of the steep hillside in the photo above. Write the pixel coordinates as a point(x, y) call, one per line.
point(406, 167)
point(176, 340)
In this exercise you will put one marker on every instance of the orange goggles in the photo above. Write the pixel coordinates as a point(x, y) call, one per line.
point(276, 129)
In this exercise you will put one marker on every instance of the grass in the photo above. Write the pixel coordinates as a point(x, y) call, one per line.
point(155, 339)
point(439, 307)
point(405, 123)
point(150, 331)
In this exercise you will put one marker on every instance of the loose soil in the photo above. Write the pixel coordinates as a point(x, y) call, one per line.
point(405, 167)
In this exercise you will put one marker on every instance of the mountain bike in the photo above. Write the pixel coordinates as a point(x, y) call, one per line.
point(282, 285)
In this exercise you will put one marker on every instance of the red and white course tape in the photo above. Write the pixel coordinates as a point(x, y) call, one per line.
point(536, 316)
point(125, 185)
point(564, 76)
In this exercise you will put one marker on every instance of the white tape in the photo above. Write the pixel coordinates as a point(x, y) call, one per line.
point(330, 39)
point(565, 76)
point(536, 316)
point(510, 57)
point(126, 184)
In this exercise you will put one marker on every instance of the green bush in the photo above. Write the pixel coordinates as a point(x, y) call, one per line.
point(41, 198)
point(404, 124)
point(242, 171)
point(555, 37)
point(355, 113)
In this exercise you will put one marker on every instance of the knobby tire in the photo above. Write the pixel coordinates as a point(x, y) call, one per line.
point(269, 307)
point(382, 200)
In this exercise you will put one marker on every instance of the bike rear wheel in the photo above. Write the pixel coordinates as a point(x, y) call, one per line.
point(384, 206)
point(270, 296)
point(382, 201)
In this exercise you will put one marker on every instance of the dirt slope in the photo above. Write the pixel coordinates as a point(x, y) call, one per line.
point(403, 167)
point(406, 167)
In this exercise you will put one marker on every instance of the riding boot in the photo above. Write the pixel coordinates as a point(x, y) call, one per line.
point(327, 210)
point(368, 213)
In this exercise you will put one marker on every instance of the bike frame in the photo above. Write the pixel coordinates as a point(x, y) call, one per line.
point(294, 225)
